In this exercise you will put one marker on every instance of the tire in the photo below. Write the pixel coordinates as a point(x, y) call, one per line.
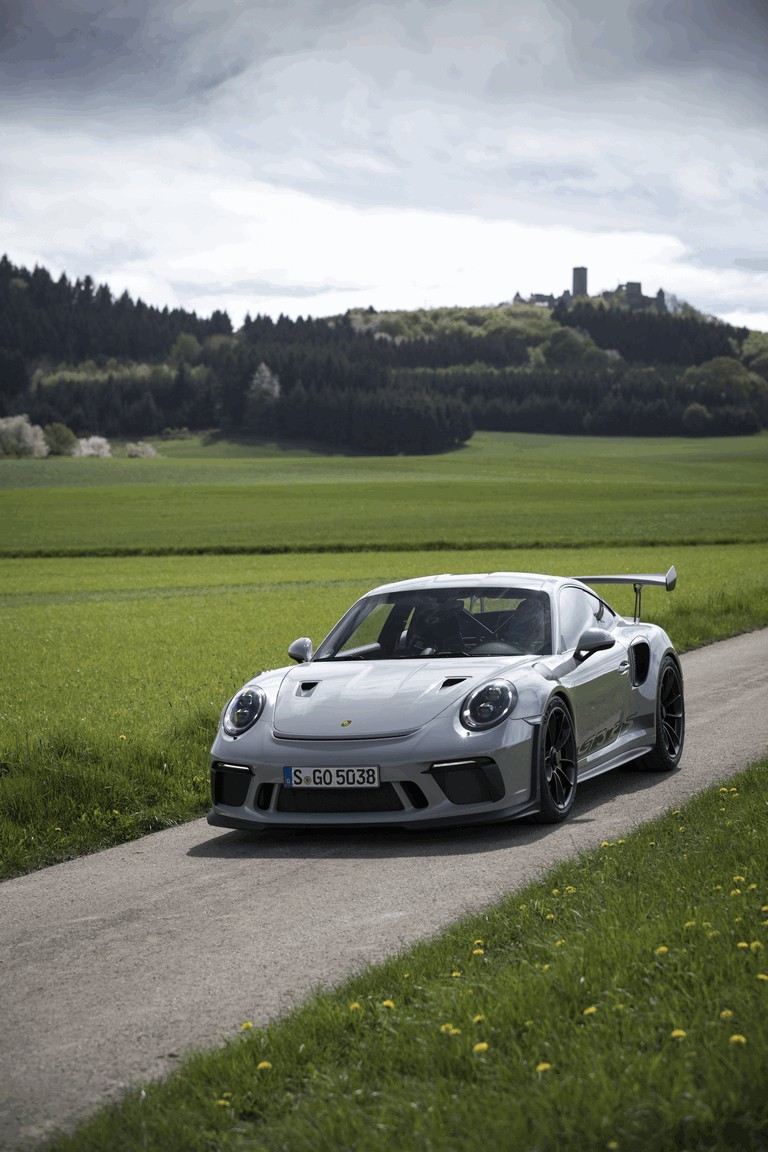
point(670, 720)
point(556, 763)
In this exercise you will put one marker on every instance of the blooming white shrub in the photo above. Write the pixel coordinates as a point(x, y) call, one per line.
point(141, 449)
point(93, 446)
point(20, 438)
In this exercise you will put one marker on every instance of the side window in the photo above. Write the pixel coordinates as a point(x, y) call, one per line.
point(580, 610)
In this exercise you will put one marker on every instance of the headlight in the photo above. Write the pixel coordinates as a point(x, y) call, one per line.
point(243, 710)
point(488, 705)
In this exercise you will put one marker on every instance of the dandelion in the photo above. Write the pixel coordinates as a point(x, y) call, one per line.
point(752, 888)
point(737, 1039)
point(545, 967)
point(726, 1014)
point(755, 946)
point(455, 1032)
point(589, 1011)
point(447, 1027)
point(652, 844)
point(743, 944)
point(478, 1019)
point(711, 935)
point(612, 1145)
point(263, 1066)
point(481, 1046)
point(723, 789)
point(543, 1067)
point(570, 889)
point(455, 973)
point(246, 1025)
point(123, 737)
point(226, 1095)
point(355, 1006)
point(555, 891)
point(736, 892)
point(681, 828)
point(621, 841)
point(662, 950)
point(739, 879)
point(478, 943)
point(689, 924)
point(764, 908)
point(762, 976)
point(678, 1034)
point(529, 1023)
point(717, 888)
point(387, 1003)
point(606, 844)
point(478, 952)
point(224, 1103)
point(550, 916)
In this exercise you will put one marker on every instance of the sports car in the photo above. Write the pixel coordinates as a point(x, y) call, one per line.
point(450, 700)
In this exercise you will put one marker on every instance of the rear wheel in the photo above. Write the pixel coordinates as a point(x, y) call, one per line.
point(670, 720)
point(556, 764)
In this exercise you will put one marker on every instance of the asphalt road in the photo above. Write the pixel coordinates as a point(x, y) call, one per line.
point(114, 965)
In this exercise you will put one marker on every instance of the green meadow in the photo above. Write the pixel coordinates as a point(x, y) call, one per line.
point(500, 491)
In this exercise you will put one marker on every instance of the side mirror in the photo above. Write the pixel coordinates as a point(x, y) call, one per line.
point(593, 640)
point(301, 650)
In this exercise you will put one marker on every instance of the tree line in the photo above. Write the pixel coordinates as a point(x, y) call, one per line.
point(72, 354)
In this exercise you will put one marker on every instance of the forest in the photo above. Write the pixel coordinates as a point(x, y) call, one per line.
point(81, 363)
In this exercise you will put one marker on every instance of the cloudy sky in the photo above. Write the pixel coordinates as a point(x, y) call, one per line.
point(312, 156)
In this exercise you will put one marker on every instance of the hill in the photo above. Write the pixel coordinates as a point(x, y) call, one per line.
point(73, 356)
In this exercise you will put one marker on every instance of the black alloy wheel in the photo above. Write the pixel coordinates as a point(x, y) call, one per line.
point(670, 719)
point(557, 763)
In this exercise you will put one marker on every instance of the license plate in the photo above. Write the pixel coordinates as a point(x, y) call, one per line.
point(330, 777)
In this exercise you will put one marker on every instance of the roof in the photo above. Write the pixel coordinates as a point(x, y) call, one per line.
point(533, 580)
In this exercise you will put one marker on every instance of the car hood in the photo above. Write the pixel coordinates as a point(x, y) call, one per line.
point(355, 700)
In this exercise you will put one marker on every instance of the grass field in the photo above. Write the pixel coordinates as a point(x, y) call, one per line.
point(584, 1012)
point(500, 491)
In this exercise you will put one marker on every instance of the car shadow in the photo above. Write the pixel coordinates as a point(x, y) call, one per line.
point(366, 843)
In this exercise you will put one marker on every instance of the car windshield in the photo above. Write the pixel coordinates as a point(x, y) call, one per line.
point(461, 621)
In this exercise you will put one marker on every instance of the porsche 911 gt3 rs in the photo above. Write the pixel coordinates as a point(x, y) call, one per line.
point(449, 700)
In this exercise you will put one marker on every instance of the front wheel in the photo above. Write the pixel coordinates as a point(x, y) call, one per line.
point(556, 764)
point(670, 720)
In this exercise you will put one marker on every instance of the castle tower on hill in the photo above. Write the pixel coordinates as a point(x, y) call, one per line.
point(580, 282)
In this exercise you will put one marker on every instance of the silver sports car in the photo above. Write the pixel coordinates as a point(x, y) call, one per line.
point(449, 700)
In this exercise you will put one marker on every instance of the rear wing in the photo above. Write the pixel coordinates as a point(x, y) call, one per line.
point(668, 581)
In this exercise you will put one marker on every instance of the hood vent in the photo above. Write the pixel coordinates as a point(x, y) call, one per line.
point(307, 687)
point(452, 681)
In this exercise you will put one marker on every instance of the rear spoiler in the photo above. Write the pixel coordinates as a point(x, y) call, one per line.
point(668, 581)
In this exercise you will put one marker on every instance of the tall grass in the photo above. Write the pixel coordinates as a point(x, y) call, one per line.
point(619, 1003)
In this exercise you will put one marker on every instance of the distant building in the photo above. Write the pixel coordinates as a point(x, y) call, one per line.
point(580, 282)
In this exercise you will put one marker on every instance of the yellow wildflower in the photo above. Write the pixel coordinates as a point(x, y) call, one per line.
point(711, 935)
point(355, 1006)
point(481, 1046)
point(662, 950)
point(555, 891)
point(455, 973)
point(478, 1019)
point(543, 1067)
point(739, 879)
point(122, 737)
point(737, 1039)
point(678, 1034)
point(455, 1032)
point(246, 1025)
point(478, 952)
point(545, 967)
point(689, 924)
point(263, 1065)
point(762, 976)
point(589, 1011)
point(736, 892)
point(559, 943)
point(387, 1003)
point(478, 943)
point(755, 946)
point(550, 916)
point(570, 888)
point(446, 1027)
point(743, 944)
point(224, 1103)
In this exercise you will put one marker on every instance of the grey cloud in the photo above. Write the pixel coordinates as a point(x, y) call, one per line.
point(752, 263)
